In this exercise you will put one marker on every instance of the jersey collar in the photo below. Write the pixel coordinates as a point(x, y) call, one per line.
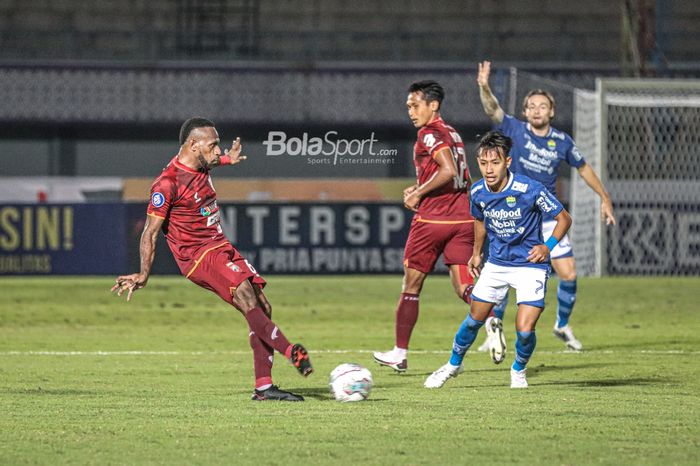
point(181, 166)
point(548, 135)
point(510, 181)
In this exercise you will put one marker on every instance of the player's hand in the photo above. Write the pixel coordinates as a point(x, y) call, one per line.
point(409, 190)
point(412, 200)
point(474, 266)
point(234, 153)
point(132, 282)
point(482, 78)
point(538, 254)
point(606, 211)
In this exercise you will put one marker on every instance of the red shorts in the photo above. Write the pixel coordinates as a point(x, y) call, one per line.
point(222, 270)
point(426, 241)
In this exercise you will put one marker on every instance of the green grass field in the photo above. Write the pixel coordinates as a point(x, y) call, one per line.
point(86, 378)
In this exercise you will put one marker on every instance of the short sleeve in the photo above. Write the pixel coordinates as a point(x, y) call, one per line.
point(162, 197)
point(546, 202)
point(508, 126)
point(573, 156)
point(476, 210)
point(432, 141)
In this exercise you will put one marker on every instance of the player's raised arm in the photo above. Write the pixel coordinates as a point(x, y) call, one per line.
point(488, 100)
point(445, 174)
point(592, 180)
point(147, 249)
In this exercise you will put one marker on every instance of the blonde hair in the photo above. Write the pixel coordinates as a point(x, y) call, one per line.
point(547, 94)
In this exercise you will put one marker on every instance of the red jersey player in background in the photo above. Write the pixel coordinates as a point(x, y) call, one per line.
point(442, 223)
point(183, 204)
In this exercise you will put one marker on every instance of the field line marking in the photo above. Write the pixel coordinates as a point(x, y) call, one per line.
point(317, 351)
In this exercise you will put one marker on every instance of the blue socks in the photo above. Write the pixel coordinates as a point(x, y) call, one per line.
point(566, 297)
point(499, 310)
point(524, 347)
point(464, 338)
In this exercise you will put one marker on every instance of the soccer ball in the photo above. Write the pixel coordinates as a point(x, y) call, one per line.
point(350, 382)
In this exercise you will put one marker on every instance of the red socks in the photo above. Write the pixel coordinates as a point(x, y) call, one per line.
point(406, 318)
point(267, 331)
point(262, 361)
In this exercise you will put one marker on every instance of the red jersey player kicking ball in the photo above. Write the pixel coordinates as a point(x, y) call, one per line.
point(183, 204)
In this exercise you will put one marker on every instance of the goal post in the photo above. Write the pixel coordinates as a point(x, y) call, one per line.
point(642, 136)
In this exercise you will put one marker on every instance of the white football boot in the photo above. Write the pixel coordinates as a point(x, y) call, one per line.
point(518, 379)
point(496, 339)
point(438, 378)
point(566, 335)
point(390, 359)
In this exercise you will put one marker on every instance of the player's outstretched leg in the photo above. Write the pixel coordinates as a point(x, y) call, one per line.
point(406, 318)
point(566, 298)
point(463, 340)
point(524, 347)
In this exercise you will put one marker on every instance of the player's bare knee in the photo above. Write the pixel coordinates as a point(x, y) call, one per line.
point(413, 281)
point(244, 298)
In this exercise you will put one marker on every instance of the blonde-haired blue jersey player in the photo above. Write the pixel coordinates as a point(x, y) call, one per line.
point(538, 150)
point(508, 208)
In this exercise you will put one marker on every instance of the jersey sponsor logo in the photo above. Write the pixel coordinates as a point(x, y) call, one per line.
point(157, 199)
point(551, 144)
point(545, 203)
point(511, 201)
point(518, 186)
point(207, 210)
point(545, 156)
point(575, 152)
point(429, 141)
point(233, 267)
point(503, 214)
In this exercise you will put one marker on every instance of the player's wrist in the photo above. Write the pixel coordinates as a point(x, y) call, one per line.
point(551, 243)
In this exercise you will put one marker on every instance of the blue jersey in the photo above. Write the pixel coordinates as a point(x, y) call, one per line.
point(539, 157)
point(513, 218)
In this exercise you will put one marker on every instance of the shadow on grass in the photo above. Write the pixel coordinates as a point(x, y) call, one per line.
point(636, 381)
point(52, 391)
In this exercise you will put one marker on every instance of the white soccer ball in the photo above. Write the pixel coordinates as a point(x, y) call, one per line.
point(350, 382)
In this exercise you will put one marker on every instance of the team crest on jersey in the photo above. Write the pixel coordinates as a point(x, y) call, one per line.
point(510, 201)
point(157, 199)
point(551, 144)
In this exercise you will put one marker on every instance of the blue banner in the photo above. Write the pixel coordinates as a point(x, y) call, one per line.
point(42, 239)
point(302, 238)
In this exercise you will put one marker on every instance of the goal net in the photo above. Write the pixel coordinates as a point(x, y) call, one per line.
point(643, 138)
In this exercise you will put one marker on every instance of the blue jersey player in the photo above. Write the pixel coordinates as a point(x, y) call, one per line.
point(538, 150)
point(509, 209)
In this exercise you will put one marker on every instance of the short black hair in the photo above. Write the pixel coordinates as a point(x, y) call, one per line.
point(430, 89)
point(191, 124)
point(495, 140)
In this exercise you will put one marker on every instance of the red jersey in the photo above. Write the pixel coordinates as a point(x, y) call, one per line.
point(451, 201)
point(186, 199)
